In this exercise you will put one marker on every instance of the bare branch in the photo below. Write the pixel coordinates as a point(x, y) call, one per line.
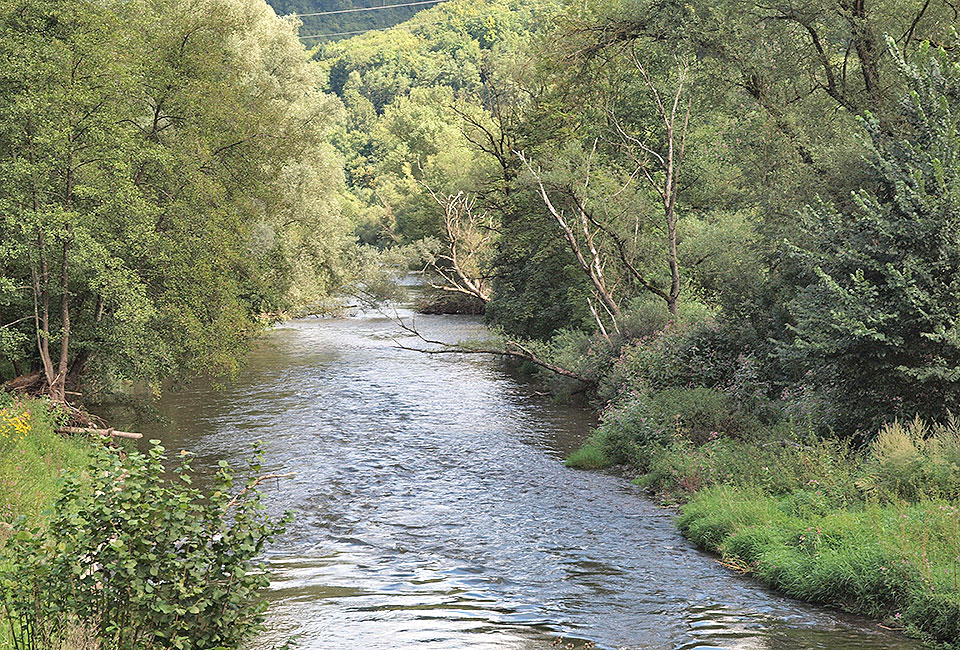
point(593, 268)
point(518, 352)
point(19, 320)
point(260, 479)
point(469, 235)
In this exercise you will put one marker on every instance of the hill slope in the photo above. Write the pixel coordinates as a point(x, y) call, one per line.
point(345, 22)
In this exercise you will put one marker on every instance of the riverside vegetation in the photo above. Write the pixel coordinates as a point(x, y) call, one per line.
point(166, 190)
point(730, 225)
point(101, 548)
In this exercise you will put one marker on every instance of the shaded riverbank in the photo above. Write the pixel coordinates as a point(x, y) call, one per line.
point(433, 508)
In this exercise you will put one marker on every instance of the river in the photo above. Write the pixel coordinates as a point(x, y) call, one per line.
point(433, 509)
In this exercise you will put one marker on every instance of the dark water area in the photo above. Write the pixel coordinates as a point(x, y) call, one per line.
point(433, 509)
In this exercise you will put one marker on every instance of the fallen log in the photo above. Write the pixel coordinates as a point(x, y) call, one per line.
point(107, 432)
point(30, 383)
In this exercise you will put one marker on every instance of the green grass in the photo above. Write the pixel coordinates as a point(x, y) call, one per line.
point(32, 456)
point(872, 531)
point(590, 456)
point(31, 460)
point(894, 562)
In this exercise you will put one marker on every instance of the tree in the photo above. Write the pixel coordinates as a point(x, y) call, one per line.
point(463, 260)
point(658, 163)
point(164, 180)
point(880, 323)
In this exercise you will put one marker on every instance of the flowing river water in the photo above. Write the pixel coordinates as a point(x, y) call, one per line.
point(433, 509)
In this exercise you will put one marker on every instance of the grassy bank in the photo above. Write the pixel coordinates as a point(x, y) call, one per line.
point(894, 562)
point(32, 456)
point(873, 529)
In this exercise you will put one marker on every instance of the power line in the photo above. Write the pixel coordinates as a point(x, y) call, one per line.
point(399, 26)
point(359, 31)
point(380, 8)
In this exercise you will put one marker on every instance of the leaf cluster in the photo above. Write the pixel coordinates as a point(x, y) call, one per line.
point(138, 558)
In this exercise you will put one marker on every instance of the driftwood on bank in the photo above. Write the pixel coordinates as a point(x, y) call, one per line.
point(107, 432)
point(29, 383)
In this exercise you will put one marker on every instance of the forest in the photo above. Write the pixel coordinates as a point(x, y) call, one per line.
point(730, 227)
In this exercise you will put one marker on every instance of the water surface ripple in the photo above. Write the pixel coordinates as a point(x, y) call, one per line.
point(433, 511)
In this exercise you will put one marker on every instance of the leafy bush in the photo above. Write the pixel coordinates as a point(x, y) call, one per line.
point(878, 320)
point(817, 474)
point(140, 562)
point(647, 316)
point(632, 428)
point(690, 353)
point(589, 355)
point(913, 461)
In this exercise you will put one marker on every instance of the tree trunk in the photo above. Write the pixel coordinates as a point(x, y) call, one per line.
point(674, 294)
point(866, 47)
point(58, 385)
point(41, 294)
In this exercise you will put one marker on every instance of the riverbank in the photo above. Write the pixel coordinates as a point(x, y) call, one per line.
point(872, 531)
point(96, 542)
point(32, 456)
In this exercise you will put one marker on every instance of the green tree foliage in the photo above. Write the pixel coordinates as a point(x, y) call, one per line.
point(134, 558)
point(164, 181)
point(405, 90)
point(880, 323)
point(776, 94)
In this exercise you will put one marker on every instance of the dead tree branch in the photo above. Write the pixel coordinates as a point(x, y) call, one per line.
point(589, 248)
point(469, 235)
point(512, 350)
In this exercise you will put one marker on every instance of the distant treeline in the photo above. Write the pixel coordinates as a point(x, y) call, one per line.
point(347, 22)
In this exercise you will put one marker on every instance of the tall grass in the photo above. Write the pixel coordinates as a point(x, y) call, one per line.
point(870, 529)
point(895, 562)
point(32, 456)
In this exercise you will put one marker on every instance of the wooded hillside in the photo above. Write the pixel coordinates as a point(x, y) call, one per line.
point(355, 21)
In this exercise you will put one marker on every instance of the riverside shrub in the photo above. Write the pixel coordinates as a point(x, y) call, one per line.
point(816, 473)
point(140, 561)
point(633, 428)
point(913, 460)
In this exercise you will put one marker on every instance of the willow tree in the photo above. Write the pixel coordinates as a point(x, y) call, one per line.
point(163, 179)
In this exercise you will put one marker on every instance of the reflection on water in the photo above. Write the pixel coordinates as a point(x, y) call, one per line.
point(433, 510)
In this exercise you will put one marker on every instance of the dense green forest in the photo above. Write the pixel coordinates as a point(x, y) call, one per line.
point(731, 226)
point(591, 167)
point(169, 186)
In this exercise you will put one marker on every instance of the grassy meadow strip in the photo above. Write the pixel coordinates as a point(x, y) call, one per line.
point(873, 531)
point(32, 456)
point(894, 562)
